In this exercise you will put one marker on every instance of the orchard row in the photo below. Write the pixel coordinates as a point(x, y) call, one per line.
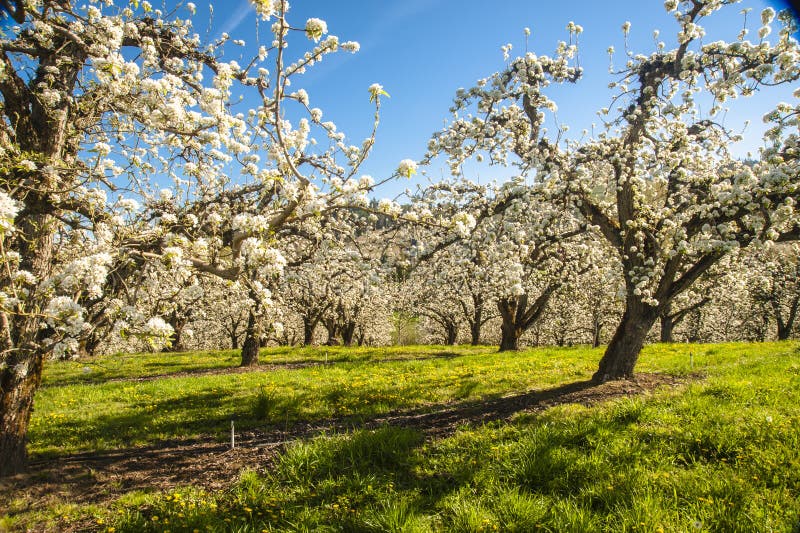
point(147, 183)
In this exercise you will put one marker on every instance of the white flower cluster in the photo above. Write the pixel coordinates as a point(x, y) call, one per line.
point(389, 207)
point(64, 315)
point(173, 256)
point(351, 46)
point(463, 223)
point(407, 168)
point(28, 165)
point(128, 204)
point(256, 255)
point(66, 348)
point(268, 8)
point(84, 274)
point(157, 332)
point(375, 89)
point(250, 224)
point(157, 327)
point(263, 296)
point(316, 28)
point(8, 212)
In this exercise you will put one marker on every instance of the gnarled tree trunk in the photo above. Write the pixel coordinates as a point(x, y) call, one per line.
point(178, 324)
point(786, 326)
point(509, 339)
point(451, 333)
point(475, 324)
point(475, 333)
point(333, 331)
point(597, 329)
point(348, 331)
point(309, 325)
point(22, 355)
point(667, 327)
point(18, 383)
point(623, 350)
point(518, 317)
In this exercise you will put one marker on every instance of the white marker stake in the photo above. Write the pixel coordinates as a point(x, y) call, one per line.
point(233, 443)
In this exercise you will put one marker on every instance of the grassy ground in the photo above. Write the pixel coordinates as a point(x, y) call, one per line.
point(719, 454)
point(81, 411)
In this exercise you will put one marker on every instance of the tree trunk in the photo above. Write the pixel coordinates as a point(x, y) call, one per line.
point(451, 334)
point(308, 330)
point(695, 324)
point(561, 336)
point(475, 327)
point(785, 327)
point(333, 330)
point(597, 328)
point(509, 339)
point(18, 383)
point(518, 317)
point(348, 332)
point(176, 339)
point(510, 336)
point(667, 326)
point(623, 350)
point(175, 336)
point(762, 327)
point(234, 340)
point(22, 362)
point(251, 341)
point(88, 346)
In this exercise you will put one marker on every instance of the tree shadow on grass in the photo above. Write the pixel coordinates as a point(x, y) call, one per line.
point(384, 453)
point(214, 369)
point(207, 462)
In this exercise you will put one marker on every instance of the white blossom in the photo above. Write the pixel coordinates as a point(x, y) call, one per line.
point(128, 204)
point(316, 28)
point(64, 315)
point(351, 46)
point(8, 212)
point(407, 168)
point(28, 165)
point(463, 223)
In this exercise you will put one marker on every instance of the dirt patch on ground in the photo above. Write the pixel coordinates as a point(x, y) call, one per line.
point(443, 422)
point(103, 476)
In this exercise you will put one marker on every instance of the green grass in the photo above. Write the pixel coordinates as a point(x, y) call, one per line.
point(131, 366)
point(357, 383)
point(719, 454)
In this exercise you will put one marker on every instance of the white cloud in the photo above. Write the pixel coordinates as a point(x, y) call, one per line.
point(241, 12)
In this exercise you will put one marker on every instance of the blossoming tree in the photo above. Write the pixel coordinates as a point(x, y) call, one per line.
point(775, 283)
point(117, 131)
point(660, 183)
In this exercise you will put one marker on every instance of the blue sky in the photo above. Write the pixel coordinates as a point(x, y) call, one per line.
point(421, 51)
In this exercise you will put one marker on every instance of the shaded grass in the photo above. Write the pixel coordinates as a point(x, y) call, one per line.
point(131, 366)
point(144, 365)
